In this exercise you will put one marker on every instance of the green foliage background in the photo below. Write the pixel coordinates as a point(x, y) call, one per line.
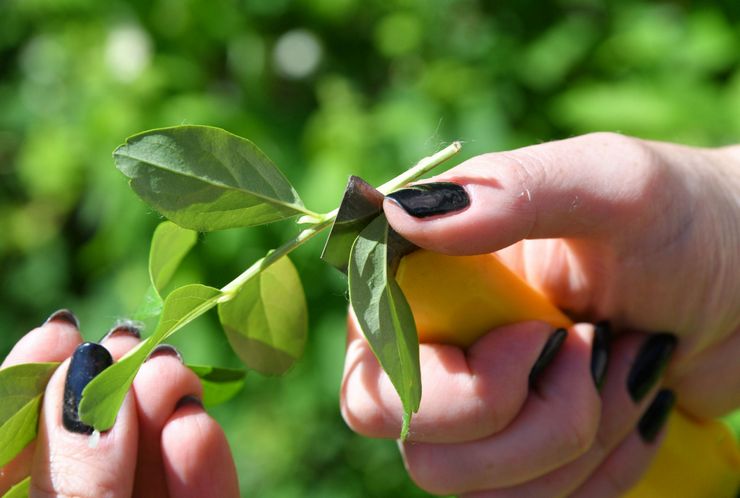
point(394, 81)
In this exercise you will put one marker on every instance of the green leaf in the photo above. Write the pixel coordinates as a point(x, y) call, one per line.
point(21, 390)
point(103, 396)
point(205, 178)
point(20, 490)
point(266, 322)
point(384, 314)
point(219, 384)
point(170, 244)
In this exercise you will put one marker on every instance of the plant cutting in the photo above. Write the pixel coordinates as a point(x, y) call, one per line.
point(204, 179)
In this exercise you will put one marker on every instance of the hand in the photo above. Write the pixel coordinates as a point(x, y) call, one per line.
point(162, 444)
point(608, 227)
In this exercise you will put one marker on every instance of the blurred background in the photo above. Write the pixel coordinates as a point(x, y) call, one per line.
point(326, 88)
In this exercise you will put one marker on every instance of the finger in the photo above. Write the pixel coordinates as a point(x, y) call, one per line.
point(619, 418)
point(199, 466)
point(557, 424)
point(581, 187)
point(53, 341)
point(624, 467)
point(68, 461)
point(161, 383)
point(701, 394)
point(488, 383)
point(121, 339)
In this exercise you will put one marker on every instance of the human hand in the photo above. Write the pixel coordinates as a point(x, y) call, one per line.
point(648, 234)
point(162, 444)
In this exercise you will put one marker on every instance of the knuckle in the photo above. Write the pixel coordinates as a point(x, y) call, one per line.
point(362, 415)
point(579, 431)
point(426, 473)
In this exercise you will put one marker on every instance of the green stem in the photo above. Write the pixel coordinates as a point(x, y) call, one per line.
point(325, 220)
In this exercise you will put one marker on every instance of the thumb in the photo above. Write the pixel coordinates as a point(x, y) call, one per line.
point(594, 186)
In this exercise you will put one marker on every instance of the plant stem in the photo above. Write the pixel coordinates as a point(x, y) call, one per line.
point(325, 220)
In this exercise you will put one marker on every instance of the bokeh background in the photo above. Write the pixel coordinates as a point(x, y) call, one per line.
point(326, 88)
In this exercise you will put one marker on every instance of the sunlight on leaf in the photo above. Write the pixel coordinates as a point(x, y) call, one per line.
point(266, 322)
point(205, 178)
point(20, 490)
point(21, 389)
point(384, 315)
point(103, 396)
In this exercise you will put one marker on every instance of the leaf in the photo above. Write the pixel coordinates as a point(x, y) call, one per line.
point(384, 314)
point(360, 205)
point(205, 178)
point(103, 396)
point(21, 389)
point(170, 244)
point(266, 322)
point(219, 384)
point(20, 490)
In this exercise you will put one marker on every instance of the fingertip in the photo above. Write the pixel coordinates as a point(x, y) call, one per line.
point(53, 341)
point(199, 465)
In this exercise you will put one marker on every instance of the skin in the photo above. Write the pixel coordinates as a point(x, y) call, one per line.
point(644, 234)
point(154, 449)
point(607, 226)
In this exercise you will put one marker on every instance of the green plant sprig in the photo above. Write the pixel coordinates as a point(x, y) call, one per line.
point(205, 179)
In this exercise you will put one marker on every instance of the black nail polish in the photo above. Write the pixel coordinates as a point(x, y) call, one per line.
point(88, 360)
point(651, 361)
point(655, 416)
point(189, 400)
point(551, 347)
point(123, 328)
point(600, 352)
point(430, 199)
point(165, 350)
point(64, 315)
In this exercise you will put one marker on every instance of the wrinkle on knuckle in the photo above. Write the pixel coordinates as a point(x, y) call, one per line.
point(426, 473)
point(578, 432)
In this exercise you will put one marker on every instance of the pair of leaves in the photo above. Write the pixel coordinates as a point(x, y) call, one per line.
point(103, 396)
point(21, 389)
point(205, 178)
point(384, 314)
point(265, 322)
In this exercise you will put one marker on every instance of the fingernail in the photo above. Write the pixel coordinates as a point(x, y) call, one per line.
point(165, 350)
point(189, 400)
point(651, 361)
point(600, 352)
point(65, 316)
point(123, 328)
point(88, 360)
point(655, 416)
point(551, 347)
point(430, 199)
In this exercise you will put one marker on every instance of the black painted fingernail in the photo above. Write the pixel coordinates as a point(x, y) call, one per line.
point(123, 328)
point(600, 352)
point(88, 360)
point(651, 361)
point(551, 347)
point(430, 199)
point(64, 315)
point(189, 400)
point(165, 350)
point(655, 416)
